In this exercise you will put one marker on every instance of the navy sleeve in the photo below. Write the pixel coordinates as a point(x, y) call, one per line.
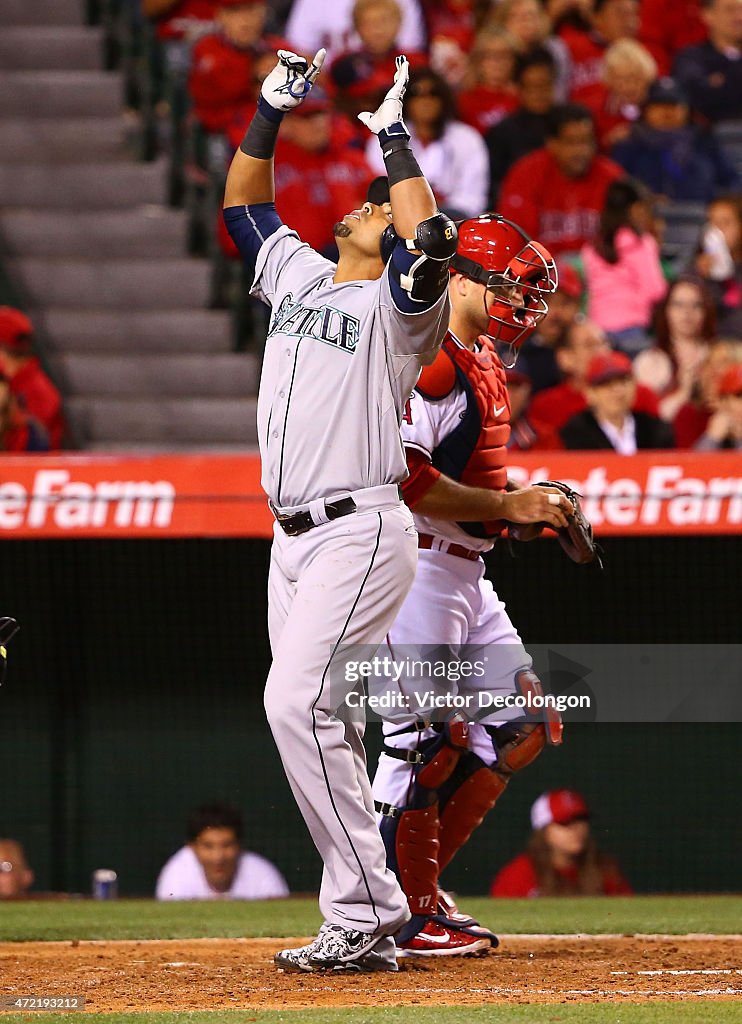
point(401, 263)
point(249, 226)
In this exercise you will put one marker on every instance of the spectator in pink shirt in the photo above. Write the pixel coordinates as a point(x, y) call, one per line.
point(622, 267)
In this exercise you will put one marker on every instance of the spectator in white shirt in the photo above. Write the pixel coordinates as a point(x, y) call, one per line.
point(213, 865)
point(312, 24)
point(452, 155)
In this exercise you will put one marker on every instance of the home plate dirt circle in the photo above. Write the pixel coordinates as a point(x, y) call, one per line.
point(212, 974)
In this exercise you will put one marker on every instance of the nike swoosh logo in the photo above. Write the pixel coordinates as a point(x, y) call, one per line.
point(437, 940)
point(499, 412)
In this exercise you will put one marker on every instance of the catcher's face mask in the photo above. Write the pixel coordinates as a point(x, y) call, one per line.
point(517, 273)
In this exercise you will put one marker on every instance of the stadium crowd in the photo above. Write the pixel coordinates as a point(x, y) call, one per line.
point(590, 123)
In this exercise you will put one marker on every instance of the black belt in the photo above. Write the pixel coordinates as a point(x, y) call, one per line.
point(301, 522)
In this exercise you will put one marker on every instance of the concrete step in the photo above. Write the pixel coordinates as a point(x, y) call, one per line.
point(133, 375)
point(70, 140)
point(52, 48)
point(146, 231)
point(60, 93)
point(166, 422)
point(42, 12)
point(114, 284)
point(91, 186)
point(136, 331)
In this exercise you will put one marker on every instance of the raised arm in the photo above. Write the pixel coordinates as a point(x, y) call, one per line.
point(410, 195)
point(250, 177)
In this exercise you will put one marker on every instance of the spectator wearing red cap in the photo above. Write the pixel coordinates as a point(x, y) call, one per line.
point(526, 433)
point(360, 78)
point(556, 193)
point(562, 858)
point(724, 429)
point(582, 341)
point(35, 394)
point(609, 422)
point(539, 349)
point(221, 79)
point(623, 273)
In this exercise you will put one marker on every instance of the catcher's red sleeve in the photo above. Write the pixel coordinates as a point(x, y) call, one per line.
point(422, 476)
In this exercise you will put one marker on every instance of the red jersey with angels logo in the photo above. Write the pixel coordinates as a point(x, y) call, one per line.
point(563, 213)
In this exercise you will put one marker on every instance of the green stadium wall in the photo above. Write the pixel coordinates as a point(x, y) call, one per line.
point(134, 693)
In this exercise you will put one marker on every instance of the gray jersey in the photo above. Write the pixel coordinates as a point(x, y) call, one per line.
point(340, 363)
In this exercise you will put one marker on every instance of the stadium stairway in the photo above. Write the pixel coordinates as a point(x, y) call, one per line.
point(143, 363)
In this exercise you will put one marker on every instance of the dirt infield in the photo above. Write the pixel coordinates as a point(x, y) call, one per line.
point(210, 974)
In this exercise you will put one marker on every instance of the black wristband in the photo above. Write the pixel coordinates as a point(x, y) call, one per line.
point(260, 137)
point(399, 159)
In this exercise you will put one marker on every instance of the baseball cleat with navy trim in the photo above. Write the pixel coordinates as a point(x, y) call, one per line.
point(436, 939)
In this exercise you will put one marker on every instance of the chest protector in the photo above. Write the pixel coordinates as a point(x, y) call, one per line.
point(475, 452)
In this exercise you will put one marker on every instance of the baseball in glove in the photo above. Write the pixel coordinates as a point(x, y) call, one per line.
point(576, 538)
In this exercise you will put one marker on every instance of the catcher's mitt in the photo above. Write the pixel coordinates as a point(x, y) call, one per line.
point(576, 538)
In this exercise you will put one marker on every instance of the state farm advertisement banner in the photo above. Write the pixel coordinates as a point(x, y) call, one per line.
point(220, 496)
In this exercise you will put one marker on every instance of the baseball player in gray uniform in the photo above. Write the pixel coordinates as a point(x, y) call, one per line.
point(345, 346)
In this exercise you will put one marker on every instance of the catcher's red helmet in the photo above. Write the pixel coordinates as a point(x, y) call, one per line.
point(520, 272)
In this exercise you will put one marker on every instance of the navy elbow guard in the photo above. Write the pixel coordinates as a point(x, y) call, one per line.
point(436, 239)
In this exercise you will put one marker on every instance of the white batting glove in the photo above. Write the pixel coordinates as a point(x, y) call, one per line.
point(288, 83)
point(390, 111)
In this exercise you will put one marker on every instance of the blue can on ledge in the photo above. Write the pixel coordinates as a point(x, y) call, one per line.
point(105, 884)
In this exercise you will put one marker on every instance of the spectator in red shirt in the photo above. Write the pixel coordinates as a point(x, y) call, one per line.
point(610, 20)
point(221, 80)
point(491, 94)
point(667, 26)
point(36, 396)
point(724, 429)
point(562, 858)
point(318, 177)
point(18, 432)
point(451, 27)
point(556, 193)
point(616, 101)
point(181, 19)
point(582, 342)
point(693, 416)
point(360, 78)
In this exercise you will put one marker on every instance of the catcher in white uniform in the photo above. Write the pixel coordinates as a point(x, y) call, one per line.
point(344, 349)
point(436, 781)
